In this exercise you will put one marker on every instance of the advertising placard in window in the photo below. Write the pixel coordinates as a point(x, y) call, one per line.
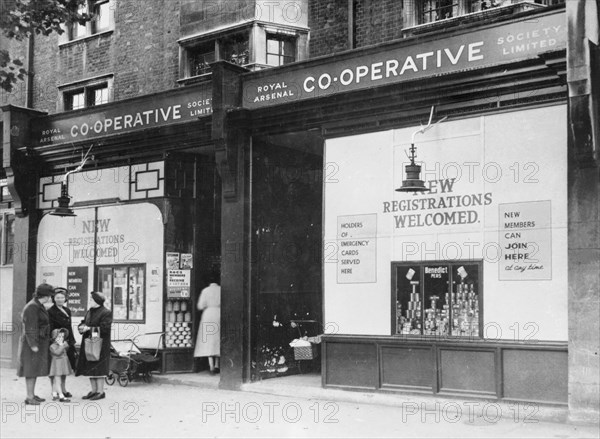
point(526, 241)
point(77, 282)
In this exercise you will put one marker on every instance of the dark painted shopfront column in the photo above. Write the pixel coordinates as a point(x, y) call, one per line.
point(21, 171)
point(583, 58)
point(232, 155)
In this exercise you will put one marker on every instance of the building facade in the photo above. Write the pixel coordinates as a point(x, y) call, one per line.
point(268, 141)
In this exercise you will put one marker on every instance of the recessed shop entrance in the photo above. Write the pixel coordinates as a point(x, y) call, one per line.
point(286, 249)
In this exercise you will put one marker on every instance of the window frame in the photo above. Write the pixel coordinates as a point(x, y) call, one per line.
point(452, 276)
point(111, 297)
point(88, 88)
point(90, 29)
point(219, 42)
point(281, 38)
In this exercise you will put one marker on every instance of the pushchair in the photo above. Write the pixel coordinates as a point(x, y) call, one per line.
point(128, 363)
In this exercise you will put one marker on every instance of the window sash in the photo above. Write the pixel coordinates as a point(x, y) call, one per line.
point(102, 19)
point(280, 50)
point(88, 96)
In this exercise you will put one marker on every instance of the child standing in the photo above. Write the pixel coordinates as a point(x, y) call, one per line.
point(59, 366)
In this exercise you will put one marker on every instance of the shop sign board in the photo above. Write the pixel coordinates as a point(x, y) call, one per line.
point(526, 241)
point(357, 249)
point(178, 283)
point(403, 62)
point(77, 283)
point(125, 117)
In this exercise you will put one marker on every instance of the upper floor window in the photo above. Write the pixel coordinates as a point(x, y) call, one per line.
point(102, 13)
point(431, 11)
point(435, 10)
point(89, 94)
point(196, 59)
point(235, 48)
point(281, 49)
point(199, 59)
point(7, 238)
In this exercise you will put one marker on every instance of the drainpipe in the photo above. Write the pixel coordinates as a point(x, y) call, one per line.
point(350, 24)
point(29, 80)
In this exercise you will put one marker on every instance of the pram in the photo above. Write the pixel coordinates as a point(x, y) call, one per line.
point(128, 363)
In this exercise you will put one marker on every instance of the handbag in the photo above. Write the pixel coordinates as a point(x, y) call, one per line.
point(93, 345)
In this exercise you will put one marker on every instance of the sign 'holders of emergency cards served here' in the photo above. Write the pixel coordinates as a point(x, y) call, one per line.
point(357, 249)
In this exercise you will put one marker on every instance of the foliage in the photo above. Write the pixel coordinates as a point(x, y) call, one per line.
point(20, 19)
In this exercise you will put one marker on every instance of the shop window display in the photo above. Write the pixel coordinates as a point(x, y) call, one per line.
point(124, 288)
point(438, 298)
point(178, 319)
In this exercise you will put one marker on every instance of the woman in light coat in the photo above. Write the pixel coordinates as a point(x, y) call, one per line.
point(208, 341)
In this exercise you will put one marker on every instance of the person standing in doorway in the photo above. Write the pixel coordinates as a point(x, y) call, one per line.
point(208, 341)
point(35, 341)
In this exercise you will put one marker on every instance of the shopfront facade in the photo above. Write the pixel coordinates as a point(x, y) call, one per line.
point(463, 290)
point(145, 225)
point(285, 181)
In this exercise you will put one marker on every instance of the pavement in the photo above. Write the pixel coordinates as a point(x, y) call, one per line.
point(191, 405)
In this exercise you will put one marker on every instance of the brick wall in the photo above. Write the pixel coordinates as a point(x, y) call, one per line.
point(142, 53)
point(375, 21)
point(328, 23)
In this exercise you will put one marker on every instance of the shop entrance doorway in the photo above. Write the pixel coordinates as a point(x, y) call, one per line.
point(286, 287)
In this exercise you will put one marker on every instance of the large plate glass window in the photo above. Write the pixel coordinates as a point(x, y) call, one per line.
point(437, 298)
point(125, 291)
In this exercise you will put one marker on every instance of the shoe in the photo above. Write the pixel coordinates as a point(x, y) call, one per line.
point(38, 399)
point(98, 396)
point(217, 370)
point(63, 399)
point(212, 372)
point(89, 395)
point(31, 401)
point(55, 397)
point(67, 394)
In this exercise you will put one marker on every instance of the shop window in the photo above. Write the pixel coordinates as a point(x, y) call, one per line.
point(88, 95)
point(7, 238)
point(102, 19)
point(125, 291)
point(281, 49)
point(438, 298)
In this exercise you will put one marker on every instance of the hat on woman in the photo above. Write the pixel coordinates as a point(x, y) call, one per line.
point(44, 290)
point(98, 297)
point(57, 331)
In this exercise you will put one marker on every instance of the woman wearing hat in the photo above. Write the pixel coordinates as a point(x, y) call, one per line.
point(60, 318)
point(35, 340)
point(97, 317)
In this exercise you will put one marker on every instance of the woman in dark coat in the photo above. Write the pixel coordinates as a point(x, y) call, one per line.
point(60, 318)
point(35, 341)
point(97, 317)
